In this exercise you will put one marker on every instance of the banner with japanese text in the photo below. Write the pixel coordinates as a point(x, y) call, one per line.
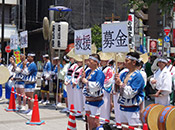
point(16, 53)
point(14, 42)
point(82, 41)
point(131, 31)
point(24, 39)
point(115, 37)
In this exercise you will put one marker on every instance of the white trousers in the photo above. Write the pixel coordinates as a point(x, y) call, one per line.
point(116, 108)
point(105, 108)
point(70, 95)
point(78, 99)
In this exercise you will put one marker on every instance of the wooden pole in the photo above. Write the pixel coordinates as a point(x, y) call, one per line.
point(24, 51)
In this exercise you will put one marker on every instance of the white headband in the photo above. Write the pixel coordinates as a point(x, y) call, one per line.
point(46, 55)
point(56, 58)
point(31, 54)
point(162, 60)
point(132, 58)
point(93, 58)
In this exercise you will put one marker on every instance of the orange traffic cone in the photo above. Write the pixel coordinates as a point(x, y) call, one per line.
point(71, 121)
point(35, 120)
point(12, 104)
point(145, 126)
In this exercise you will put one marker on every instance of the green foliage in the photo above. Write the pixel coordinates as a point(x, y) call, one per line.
point(96, 36)
point(165, 5)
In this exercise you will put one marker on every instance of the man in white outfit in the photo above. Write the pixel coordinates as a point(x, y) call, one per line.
point(162, 81)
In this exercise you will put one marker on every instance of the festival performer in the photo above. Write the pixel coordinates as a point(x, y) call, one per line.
point(30, 75)
point(55, 71)
point(105, 108)
point(19, 83)
point(94, 81)
point(10, 83)
point(68, 78)
point(62, 75)
point(78, 85)
point(116, 92)
point(131, 85)
point(162, 82)
point(46, 77)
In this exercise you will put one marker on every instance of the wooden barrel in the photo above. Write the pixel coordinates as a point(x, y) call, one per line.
point(166, 120)
point(151, 114)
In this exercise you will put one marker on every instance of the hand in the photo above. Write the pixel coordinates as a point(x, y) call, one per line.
point(153, 81)
point(84, 80)
point(117, 79)
point(66, 83)
point(74, 85)
point(83, 75)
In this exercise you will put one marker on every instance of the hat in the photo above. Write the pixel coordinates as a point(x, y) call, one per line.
point(56, 58)
point(120, 57)
point(78, 58)
point(93, 49)
point(45, 56)
point(144, 58)
point(31, 54)
point(105, 56)
point(71, 53)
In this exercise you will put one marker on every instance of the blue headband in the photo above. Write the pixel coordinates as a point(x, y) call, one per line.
point(93, 58)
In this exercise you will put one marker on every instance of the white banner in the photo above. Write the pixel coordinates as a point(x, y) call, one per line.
point(115, 37)
point(82, 40)
point(24, 39)
point(131, 31)
point(14, 42)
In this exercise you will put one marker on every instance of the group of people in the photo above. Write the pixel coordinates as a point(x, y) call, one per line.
point(97, 86)
point(23, 77)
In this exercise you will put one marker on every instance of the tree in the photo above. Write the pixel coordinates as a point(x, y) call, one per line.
point(165, 5)
point(96, 36)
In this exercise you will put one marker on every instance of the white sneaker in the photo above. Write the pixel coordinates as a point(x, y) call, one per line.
point(41, 101)
point(23, 108)
point(46, 102)
point(29, 113)
point(19, 106)
point(65, 110)
point(59, 104)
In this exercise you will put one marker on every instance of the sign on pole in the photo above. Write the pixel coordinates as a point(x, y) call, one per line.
point(7, 49)
point(167, 30)
point(167, 39)
point(24, 39)
point(115, 37)
point(14, 42)
point(60, 35)
point(153, 45)
point(82, 40)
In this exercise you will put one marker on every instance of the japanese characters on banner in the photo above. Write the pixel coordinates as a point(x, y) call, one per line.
point(60, 35)
point(115, 37)
point(24, 39)
point(82, 41)
point(131, 31)
point(14, 42)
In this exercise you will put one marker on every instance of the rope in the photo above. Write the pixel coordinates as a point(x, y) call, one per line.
point(31, 99)
point(106, 120)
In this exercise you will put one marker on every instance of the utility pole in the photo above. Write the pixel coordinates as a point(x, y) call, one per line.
point(2, 30)
point(163, 42)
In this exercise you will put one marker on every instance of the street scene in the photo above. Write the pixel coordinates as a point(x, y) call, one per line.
point(87, 65)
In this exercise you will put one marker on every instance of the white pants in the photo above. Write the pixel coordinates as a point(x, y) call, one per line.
point(132, 118)
point(70, 95)
point(105, 108)
point(164, 100)
point(116, 108)
point(78, 99)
